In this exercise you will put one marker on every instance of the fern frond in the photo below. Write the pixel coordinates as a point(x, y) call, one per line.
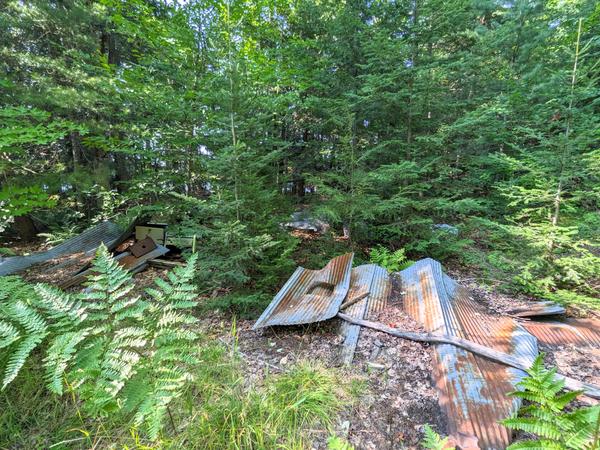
point(8, 334)
point(433, 441)
point(18, 358)
point(59, 354)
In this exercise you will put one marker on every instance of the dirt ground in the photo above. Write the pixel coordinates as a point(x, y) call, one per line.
point(398, 398)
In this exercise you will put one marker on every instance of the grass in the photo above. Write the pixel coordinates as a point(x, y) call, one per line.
point(223, 410)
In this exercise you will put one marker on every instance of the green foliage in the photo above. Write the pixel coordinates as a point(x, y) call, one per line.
point(392, 261)
point(433, 441)
point(547, 415)
point(337, 443)
point(119, 353)
point(276, 415)
point(57, 236)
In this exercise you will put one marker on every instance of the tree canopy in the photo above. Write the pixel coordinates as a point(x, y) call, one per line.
point(388, 119)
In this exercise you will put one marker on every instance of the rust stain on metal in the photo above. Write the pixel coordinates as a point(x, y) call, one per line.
point(472, 390)
point(584, 332)
point(367, 278)
point(538, 309)
point(310, 295)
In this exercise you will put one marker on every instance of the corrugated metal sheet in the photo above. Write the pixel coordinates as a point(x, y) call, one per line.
point(584, 332)
point(538, 309)
point(310, 295)
point(106, 232)
point(472, 390)
point(367, 278)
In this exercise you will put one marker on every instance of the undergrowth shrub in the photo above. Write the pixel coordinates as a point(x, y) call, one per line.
point(118, 352)
point(550, 416)
point(554, 263)
point(392, 261)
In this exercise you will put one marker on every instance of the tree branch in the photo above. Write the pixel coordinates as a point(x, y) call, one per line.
point(478, 349)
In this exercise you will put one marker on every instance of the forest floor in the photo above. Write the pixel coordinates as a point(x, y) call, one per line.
point(397, 396)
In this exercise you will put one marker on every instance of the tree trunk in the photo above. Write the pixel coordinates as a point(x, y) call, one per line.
point(25, 228)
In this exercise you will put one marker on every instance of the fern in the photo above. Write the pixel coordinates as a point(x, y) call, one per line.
point(546, 417)
point(392, 261)
point(22, 327)
point(434, 441)
point(168, 368)
point(118, 352)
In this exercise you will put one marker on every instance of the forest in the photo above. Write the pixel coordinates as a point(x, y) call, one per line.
point(272, 134)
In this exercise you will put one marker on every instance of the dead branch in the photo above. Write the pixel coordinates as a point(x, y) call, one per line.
point(354, 300)
point(478, 349)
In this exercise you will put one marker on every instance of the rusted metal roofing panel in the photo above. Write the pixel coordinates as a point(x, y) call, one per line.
point(310, 295)
point(366, 278)
point(362, 278)
point(90, 239)
point(381, 288)
point(584, 332)
point(472, 390)
point(537, 309)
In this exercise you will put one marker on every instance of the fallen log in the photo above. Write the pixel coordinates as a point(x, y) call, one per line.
point(518, 363)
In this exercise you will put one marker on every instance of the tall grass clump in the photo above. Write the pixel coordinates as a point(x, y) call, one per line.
point(277, 414)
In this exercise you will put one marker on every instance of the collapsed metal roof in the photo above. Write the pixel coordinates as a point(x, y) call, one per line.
point(310, 295)
point(472, 389)
point(90, 239)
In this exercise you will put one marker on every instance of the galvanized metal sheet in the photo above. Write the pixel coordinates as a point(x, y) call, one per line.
point(90, 239)
point(310, 295)
point(366, 278)
point(472, 390)
point(580, 332)
point(538, 309)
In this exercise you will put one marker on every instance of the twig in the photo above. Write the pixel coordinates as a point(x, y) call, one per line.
point(354, 300)
point(481, 350)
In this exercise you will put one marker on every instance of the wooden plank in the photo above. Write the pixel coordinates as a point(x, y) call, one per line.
point(132, 264)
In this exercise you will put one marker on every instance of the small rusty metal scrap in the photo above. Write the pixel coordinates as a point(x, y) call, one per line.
point(538, 309)
point(310, 295)
point(472, 389)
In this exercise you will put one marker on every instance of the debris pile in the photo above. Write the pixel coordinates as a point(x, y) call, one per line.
point(69, 263)
point(478, 357)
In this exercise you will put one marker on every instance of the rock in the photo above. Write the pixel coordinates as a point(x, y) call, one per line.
point(450, 229)
point(304, 222)
point(373, 365)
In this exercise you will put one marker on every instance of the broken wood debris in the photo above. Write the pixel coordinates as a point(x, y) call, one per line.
point(538, 309)
point(69, 263)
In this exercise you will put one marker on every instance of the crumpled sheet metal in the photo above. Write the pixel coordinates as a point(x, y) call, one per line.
point(538, 309)
point(472, 390)
point(90, 239)
point(366, 278)
point(310, 295)
point(580, 332)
